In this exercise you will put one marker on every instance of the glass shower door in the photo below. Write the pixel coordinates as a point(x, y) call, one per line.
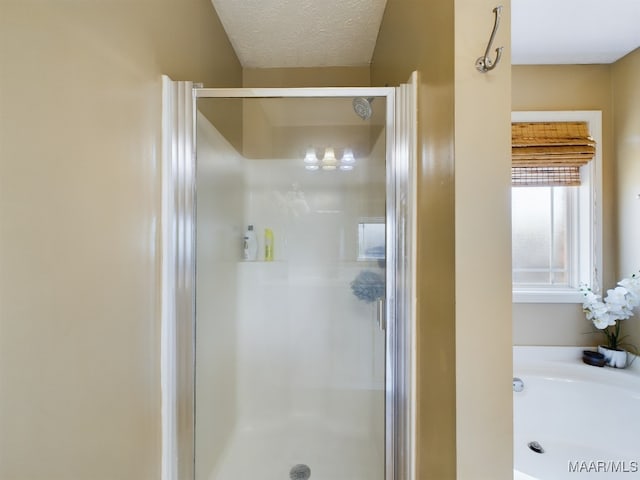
point(289, 344)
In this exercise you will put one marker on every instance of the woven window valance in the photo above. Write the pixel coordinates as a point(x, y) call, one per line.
point(549, 153)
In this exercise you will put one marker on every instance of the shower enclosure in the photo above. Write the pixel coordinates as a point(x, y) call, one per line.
point(292, 359)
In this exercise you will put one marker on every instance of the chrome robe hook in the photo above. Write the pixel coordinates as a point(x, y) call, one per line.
point(484, 63)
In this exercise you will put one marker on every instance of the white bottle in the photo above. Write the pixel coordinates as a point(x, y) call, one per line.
point(250, 244)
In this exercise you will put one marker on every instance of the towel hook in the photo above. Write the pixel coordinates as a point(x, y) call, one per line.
point(484, 63)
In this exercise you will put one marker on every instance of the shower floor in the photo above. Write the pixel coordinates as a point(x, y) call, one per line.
point(271, 450)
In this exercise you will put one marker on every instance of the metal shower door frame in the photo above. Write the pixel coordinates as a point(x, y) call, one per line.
point(179, 415)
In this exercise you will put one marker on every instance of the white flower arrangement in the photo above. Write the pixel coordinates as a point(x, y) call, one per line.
point(617, 305)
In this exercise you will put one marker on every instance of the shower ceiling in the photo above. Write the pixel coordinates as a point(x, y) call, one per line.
point(313, 33)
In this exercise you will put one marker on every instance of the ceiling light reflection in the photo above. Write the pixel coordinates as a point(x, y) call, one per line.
point(347, 156)
point(329, 158)
point(310, 158)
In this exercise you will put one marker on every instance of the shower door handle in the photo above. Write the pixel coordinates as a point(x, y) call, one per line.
point(381, 313)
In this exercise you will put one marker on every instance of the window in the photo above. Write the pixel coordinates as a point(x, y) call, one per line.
point(556, 230)
point(541, 235)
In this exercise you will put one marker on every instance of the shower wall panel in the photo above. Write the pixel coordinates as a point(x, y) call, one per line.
point(306, 343)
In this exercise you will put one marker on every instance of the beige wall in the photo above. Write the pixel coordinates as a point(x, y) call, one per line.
point(277, 78)
point(568, 87)
point(626, 107)
point(307, 77)
point(464, 395)
point(80, 128)
point(483, 245)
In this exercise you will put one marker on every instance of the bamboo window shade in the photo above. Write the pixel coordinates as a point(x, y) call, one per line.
point(549, 153)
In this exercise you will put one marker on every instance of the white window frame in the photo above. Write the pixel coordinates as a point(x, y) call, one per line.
point(588, 226)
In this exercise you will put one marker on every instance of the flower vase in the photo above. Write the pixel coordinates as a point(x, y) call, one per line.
point(613, 357)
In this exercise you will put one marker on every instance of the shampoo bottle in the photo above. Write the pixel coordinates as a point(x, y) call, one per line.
point(250, 244)
point(268, 245)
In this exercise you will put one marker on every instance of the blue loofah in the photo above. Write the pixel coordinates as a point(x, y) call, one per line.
point(368, 286)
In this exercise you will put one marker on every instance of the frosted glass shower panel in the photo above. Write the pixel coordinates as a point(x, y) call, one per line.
point(289, 357)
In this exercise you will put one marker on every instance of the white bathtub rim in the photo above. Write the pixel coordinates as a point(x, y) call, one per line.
point(545, 356)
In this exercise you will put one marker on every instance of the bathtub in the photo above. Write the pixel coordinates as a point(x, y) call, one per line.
point(585, 418)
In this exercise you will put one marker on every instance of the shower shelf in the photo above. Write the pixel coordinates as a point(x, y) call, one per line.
point(249, 262)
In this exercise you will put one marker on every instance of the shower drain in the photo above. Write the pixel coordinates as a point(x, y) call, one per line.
point(535, 447)
point(300, 472)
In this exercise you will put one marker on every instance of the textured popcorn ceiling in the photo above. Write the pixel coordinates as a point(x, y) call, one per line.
point(301, 33)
